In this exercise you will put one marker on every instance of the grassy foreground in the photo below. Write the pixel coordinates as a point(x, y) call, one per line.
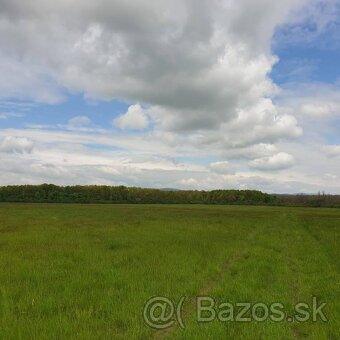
point(85, 271)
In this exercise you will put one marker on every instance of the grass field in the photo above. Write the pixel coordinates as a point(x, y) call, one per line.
point(86, 271)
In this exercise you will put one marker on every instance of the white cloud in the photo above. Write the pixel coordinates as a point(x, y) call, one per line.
point(331, 176)
point(7, 115)
point(135, 118)
point(26, 81)
point(222, 167)
point(67, 157)
point(79, 121)
point(332, 150)
point(202, 70)
point(279, 161)
point(317, 110)
point(314, 24)
point(195, 65)
point(252, 151)
point(316, 100)
point(188, 183)
point(12, 144)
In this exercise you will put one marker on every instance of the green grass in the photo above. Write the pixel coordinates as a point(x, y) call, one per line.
point(85, 271)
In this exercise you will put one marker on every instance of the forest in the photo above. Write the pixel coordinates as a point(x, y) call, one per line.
point(123, 194)
point(50, 193)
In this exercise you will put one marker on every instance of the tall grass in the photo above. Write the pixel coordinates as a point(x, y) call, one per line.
point(85, 271)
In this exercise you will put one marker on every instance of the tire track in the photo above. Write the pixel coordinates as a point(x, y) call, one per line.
point(204, 291)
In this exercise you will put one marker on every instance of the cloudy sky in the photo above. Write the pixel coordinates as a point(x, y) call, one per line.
point(198, 94)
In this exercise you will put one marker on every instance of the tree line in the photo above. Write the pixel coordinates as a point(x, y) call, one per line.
point(50, 193)
point(122, 194)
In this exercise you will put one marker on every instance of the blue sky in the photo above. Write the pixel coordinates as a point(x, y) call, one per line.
point(100, 112)
point(304, 63)
point(199, 103)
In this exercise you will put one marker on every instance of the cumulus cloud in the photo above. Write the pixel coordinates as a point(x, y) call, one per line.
point(12, 144)
point(252, 151)
point(259, 125)
point(196, 65)
point(135, 118)
point(201, 73)
point(279, 161)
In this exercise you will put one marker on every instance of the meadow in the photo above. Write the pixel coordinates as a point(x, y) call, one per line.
point(71, 271)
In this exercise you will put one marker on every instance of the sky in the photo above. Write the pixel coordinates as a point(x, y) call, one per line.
point(186, 94)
